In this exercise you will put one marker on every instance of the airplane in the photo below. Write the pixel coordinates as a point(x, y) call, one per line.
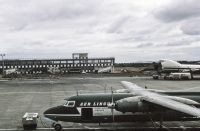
point(136, 104)
point(10, 71)
point(174, 65)
point(166, 67)
point(104, 70)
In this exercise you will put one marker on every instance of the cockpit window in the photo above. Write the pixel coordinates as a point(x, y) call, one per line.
point(66, 103)
point(70, 104)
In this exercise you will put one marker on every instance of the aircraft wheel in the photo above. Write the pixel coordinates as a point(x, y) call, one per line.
point(57, 127)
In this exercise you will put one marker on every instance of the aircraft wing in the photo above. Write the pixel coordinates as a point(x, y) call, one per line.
point(161, 100)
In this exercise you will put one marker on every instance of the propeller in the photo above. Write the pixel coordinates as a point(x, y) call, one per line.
point(112, 105)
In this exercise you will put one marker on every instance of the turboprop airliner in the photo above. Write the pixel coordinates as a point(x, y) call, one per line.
point(133, 104)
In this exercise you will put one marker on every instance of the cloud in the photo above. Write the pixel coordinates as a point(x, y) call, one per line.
point(145, 45)
point(124, 29)
point(179, 43)
point(178, 10)
point(19, 15)
point(191, 27)
point(116, 26)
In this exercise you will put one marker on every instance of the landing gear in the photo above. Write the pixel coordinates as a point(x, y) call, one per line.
point(161, 123)
point(57, 126)
point(152, 121)
point(191, 74)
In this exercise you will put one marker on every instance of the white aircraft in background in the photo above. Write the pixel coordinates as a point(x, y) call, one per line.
point(173, 65)
point(169, 69)
point(105, 70)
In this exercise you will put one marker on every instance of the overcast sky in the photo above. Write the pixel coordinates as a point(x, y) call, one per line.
point(129, 30)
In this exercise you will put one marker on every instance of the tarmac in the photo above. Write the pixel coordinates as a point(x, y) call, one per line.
point(36, 95)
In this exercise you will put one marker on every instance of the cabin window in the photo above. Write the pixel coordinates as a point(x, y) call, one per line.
point(70, 104)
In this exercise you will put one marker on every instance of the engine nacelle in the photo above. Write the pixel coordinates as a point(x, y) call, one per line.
point(131, 104)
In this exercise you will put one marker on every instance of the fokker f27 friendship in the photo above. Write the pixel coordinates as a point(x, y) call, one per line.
point(132, 105)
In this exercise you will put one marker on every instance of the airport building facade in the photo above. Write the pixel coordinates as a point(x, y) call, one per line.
point(77, 64)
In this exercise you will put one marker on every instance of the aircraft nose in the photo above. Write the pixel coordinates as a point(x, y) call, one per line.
point(60, 110)
point(53, 110)
point(48, 111)
point(56, 110)
point(51, 113)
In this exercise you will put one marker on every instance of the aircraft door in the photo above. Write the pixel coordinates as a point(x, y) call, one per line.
point(86, 113)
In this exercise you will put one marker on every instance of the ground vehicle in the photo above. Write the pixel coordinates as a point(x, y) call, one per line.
point(174, 76)
point(179, 76)
point(29, 121)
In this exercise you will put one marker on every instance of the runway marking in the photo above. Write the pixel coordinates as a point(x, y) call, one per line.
point(8, 93)
point(92, 128)
point(4, 80)
point(14, 129)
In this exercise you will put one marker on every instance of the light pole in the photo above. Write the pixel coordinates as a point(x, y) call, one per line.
point(2, 55)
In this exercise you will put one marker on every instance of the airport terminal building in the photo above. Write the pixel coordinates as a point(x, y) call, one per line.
point(79, 63)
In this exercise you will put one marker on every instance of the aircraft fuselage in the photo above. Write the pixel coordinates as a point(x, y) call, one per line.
point(93, 108)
